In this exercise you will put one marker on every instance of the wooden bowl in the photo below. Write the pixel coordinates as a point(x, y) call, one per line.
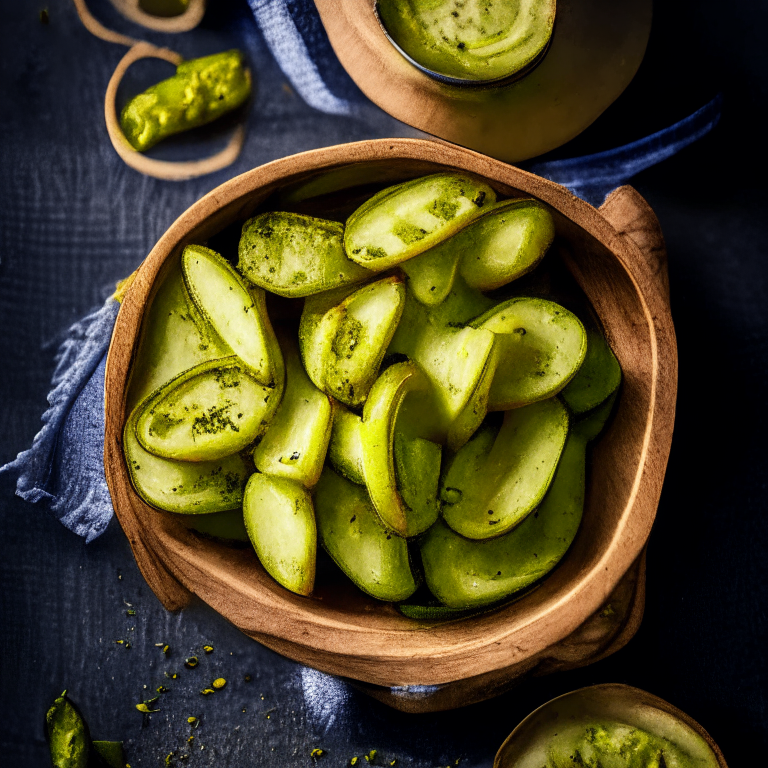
point(612, 701)
point(595, 51)
point(588, 607)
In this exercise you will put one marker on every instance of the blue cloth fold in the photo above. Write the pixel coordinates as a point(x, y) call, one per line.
point(64, 467)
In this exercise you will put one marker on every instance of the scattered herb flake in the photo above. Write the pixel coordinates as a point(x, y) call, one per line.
point(193, 721)
point(207, 691)
point(219, 683)
point(162, 689)
point(191, 662)
point(369, 758)
point(208, 648)
point(146, 706)
point(317, 752)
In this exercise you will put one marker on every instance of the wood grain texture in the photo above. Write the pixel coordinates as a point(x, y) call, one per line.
point(343, 632)
point(623, 703)
point(595, 50)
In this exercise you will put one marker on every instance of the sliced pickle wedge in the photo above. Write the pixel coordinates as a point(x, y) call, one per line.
point(280, 520)
point(403, 221)
point(490, 487)
point(294, 255)
point(403, 488)
point(342, 347)
point(350, 531)
point(541, 346)
point(597, 379)
point(238, 315)
point(208, 412)
point(296, 439)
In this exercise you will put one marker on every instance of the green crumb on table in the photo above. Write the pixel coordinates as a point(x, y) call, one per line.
point(219, 683)
point(166, 649)
point(317, 752)
point(207, 691)
point(161, 689)
point(130, 612)
point(171, 675)
point(145, 707)
point(369, 758)
point(208, 648)
point(191, 662)
point(193, 721)
point(353, 761)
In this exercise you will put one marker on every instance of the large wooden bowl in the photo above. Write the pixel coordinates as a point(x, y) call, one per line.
point(592, 603)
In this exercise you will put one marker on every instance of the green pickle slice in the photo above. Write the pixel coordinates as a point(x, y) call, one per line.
point(540, 346)
point(345, 450)
point(350, 531)
point(238, 315)
point(280, 520)
point(342, 347)
point(597, 379)
point(402, 487)
point(466, 574)
point(296, 440)
point(294, 255)
point(193, 488)
point(201, 91)
point(403, 221)
point(495, 481)
point(211, 411)
point(506, 242)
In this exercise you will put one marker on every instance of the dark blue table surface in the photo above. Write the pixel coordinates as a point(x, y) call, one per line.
point(74, 219)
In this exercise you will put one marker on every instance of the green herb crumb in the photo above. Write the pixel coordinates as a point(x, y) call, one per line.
point(219, 683)
point(191, 662)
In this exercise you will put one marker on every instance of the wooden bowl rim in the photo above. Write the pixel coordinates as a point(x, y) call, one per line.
point(329, 638)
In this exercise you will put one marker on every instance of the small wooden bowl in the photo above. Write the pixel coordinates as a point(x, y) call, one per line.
point(595, 51)
point(613, 702)
point(588, 607)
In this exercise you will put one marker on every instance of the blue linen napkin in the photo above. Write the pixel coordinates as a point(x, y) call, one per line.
point(64, 467)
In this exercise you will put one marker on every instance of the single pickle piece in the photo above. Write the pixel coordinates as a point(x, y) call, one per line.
point(294, 255)
point(350, 531)
point(191, 488)
point(597, 379)
point(343, 344)
point(280, 520)
point(296, 440)
point(540, 347)
point(209, 412)
point(401, 472)
point(201, 91)
point(495, 481)
point(403, 221)
point(237, 314)
point(345, 450)
point(504, 243)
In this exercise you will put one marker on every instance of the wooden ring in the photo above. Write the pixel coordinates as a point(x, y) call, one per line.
point(160, 169)
point(171, 24)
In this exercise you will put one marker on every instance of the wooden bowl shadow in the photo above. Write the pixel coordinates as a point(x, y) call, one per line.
point(616, 256)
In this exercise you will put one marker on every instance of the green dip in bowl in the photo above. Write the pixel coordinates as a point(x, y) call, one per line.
point(469, 41)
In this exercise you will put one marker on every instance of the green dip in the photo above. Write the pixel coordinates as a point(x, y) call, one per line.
point(481, 40)
point(615, 745)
